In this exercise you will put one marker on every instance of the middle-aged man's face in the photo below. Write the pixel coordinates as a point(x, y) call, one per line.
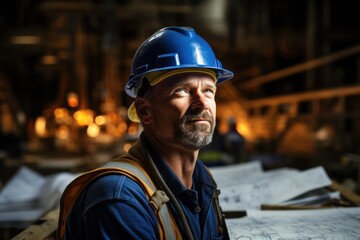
point(183, 109)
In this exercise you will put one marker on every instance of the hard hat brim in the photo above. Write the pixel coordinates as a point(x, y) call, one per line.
point(160, 76)
point(220, 73)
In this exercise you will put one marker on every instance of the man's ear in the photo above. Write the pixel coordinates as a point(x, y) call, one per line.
point(143, 110)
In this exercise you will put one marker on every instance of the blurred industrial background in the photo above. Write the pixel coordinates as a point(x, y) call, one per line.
point(295, 97)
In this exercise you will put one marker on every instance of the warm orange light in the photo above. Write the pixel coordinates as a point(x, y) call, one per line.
point(325, 133)
point(61, 115)
point(49, 60)
point(25, 40)
point(62, 132)
point(100, 120)
point(73, 99)
point(132, 130)
point(93, 130)
point(242, 129)
point(112, 116)
point(127, 146)
point(122, 127)
point(84, 117)
point(40, 127)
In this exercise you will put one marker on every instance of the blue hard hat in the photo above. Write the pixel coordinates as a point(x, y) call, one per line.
point(173, 48)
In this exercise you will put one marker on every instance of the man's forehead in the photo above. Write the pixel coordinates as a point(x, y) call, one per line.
point(188, 78)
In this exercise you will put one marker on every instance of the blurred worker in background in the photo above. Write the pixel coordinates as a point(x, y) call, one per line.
point(173, 80)
point(214, 153)
point(234, 143)
point(225, 148)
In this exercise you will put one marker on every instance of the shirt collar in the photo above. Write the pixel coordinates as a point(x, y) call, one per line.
point(201, 176)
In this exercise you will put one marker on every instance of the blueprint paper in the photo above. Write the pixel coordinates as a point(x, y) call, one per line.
point(321, 224)
point(272, 188)
point(28, 195)
point(24, 186)
point(230, 175)
point(53, 189)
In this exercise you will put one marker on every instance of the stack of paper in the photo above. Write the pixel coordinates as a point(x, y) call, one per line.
point(28, 195)
point(246, 186)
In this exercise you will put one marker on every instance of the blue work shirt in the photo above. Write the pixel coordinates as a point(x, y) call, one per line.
point(116, 207)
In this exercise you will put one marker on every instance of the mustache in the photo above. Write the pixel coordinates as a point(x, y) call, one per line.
point(191, 116)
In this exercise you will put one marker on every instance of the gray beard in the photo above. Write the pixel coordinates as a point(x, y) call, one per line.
point(194, 136)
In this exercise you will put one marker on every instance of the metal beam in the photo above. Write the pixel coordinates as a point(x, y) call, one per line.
point(293, 98)
point(300, 68)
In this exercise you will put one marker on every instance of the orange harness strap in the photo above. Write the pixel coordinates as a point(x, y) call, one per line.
point(167, 226)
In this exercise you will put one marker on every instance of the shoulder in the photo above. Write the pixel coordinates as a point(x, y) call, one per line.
point(113, 187)
point(112, 191)
point(112, 205)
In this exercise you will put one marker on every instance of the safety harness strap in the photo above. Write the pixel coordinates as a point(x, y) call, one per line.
point(157, 197)
point(131, 169)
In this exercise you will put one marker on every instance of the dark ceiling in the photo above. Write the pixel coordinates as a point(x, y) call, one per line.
point(251, 37)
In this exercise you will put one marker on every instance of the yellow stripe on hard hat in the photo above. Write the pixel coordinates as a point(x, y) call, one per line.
point(156, 77)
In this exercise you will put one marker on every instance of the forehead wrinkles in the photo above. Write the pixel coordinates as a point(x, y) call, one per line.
point(187, 79)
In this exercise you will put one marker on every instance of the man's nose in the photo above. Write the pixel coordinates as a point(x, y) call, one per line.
point(199, 101)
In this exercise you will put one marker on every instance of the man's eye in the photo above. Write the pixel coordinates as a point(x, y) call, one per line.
point(180, 90)
point(210, 91)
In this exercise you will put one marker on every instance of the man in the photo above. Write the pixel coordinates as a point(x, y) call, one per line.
point(173, 80)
